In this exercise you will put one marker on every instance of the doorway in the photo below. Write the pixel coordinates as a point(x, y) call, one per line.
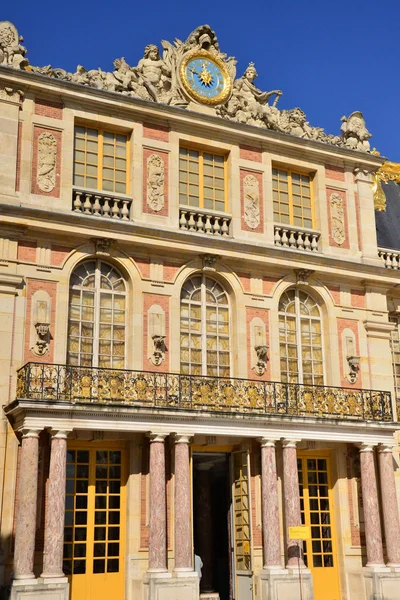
point(222, 523)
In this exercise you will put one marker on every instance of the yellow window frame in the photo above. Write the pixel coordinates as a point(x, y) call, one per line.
point(201, 177)
point(290, 173)
point(100, 156)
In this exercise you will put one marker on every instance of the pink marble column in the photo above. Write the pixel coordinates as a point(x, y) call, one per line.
point(158, 513)
point(27, 506)
point(270, 506)
point(292, 502)
point(55, 509)
point(373, 535)
point(183, 530)
point(390, 507)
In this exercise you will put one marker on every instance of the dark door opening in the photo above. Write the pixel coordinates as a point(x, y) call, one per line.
point(212, 522)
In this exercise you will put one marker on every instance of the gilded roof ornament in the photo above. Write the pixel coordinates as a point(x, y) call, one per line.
point(389, 171)
point(190, 72)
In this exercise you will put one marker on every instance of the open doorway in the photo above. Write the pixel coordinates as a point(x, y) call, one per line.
point(212, 522)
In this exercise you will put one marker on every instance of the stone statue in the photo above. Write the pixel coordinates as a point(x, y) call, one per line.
point(12, 53)
point(156, 79)
point(355, 133)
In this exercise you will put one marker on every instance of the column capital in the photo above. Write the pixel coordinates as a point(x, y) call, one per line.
point(366, 447)
point(388, 447)
point(183, 438)
point(156, 437)
point(30, 432)
point(59, 434)
point(290, 442)
point(268, 442)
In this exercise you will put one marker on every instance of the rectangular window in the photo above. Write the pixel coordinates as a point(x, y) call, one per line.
point(100, 160)
point(292, 198)
point(395, 347)
point(202, 179)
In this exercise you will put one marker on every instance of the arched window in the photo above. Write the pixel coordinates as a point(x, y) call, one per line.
point(97, 311)
point(300, 338)
point(204, 328)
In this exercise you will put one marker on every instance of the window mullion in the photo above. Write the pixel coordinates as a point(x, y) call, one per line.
point(298, 335)
point(96, 326)
point(203, 327)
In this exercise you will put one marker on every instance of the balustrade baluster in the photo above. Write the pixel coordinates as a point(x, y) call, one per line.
point(78, 202)
point(285, 238)
point(314, 242)
point(277, 238)
point(96, 206)
point(192, 222)
point(292, 239)
point(182, 220)
point(125, 210)
point(208, 224)
point(225, 227)
point(115, 209)
point(200, 224)
point(87, 205)
point(307, 243)
point(300, 240)
point(106, 208)
point(217, 227)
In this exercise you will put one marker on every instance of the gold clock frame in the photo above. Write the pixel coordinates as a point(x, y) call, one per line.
point(226, 92)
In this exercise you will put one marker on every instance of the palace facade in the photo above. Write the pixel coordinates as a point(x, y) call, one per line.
point(199, 316)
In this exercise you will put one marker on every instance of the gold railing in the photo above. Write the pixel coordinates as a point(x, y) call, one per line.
point(72, 384)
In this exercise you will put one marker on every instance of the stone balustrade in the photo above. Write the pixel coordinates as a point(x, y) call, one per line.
point(100, 204)
point(296, 238)
point(204, 222)
point(390, 258)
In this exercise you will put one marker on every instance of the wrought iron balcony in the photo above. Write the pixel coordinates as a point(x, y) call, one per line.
point(72, 384)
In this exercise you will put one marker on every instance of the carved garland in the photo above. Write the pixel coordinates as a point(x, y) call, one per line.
point(47, 156)
point(251, 192)
point(155, 182)
point(337, 218)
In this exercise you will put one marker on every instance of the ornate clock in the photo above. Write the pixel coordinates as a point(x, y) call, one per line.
point(205, 78)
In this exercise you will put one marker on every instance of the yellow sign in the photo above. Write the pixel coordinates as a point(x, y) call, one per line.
point(303, 532)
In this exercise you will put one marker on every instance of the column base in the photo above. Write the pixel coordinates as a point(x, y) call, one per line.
point(284, 584)
point(381, 583)
point(55, 590)
point(168, 586)
point(209, 596)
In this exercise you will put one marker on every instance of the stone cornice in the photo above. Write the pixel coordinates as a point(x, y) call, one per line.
point(91, 98)
point(63, 416)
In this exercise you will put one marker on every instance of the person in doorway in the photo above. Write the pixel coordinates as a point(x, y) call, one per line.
point(198, 565)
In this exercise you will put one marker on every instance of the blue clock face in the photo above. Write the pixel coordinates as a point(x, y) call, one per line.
point(205, 78)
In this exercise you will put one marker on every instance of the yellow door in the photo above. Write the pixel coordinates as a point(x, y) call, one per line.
point(94, 529)
point(317, 511)
point(242, 525)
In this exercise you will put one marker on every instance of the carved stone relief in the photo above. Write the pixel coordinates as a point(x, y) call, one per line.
point(8, 93)
point(251, 193)
point(47, 157)
point(155, 182)
point(337, 218)
point(156, 78)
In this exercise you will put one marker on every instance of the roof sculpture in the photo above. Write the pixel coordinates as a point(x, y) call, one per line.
point(195, 71)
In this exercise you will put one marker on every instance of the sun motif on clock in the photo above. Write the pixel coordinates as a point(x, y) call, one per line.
point(205, 78)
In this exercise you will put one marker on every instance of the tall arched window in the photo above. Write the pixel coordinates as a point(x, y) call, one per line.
point(300, 339)
point(97, 311)
point(204, 328)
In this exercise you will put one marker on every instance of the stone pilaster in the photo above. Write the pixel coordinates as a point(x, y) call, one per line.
point(55, 511)
point(183, 530)
point(292, 502)
point(270, 506)
point(27, 506)
point(158, 515)
point(373, 533)
point(390, 507)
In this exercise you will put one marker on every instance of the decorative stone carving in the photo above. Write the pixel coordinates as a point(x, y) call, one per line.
point(302, 275)
point(389, 171)
point(157, 78)
point(103, 246)
point(8, 93)
point(337, 218)
point(354, 366)
point(42, 345)
point(209, 262)
point(262, 359)
point(158, 356)
point(47, 157)
point(155, 182)
point(12, 53)
point(251, 193)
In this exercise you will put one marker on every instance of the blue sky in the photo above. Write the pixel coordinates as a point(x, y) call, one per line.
point(328, 58)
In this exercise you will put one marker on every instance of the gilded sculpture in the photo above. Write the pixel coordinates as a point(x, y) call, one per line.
point(210, 79)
